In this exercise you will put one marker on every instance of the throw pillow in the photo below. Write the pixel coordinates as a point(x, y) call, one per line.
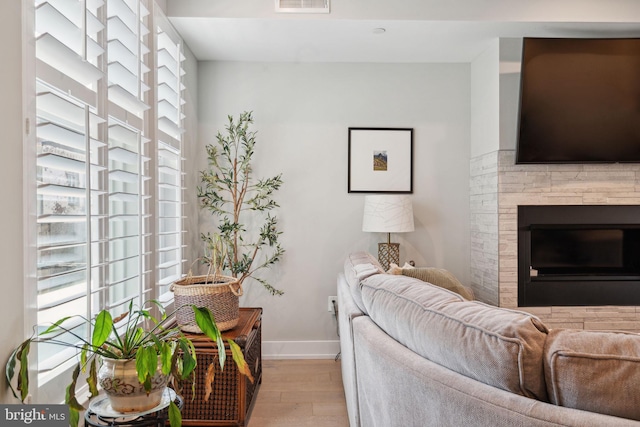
point(436, 276)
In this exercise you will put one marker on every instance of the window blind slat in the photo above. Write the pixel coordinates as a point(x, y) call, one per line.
point(71, 10)
point(61, 57)
point(130, 103)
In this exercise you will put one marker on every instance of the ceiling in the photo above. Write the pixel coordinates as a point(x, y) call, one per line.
point(230, 39)
point(248, 30)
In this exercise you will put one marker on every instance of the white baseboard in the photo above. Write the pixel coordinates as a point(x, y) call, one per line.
point(300, 349)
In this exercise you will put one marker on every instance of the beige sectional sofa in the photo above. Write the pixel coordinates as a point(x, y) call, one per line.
point(416, 354)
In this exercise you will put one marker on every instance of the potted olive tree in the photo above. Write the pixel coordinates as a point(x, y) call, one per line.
point(241, 203)
point(213, 290)
point(139, 354)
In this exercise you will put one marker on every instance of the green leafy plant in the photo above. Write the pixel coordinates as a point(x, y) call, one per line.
point(230, 193)
point(125, 338)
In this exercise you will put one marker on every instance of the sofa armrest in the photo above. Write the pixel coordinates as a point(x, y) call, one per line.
point(347, 311)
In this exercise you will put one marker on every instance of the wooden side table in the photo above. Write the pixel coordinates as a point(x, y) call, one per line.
point(233, 395)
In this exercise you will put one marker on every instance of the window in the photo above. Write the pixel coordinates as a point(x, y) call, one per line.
point(108, 160)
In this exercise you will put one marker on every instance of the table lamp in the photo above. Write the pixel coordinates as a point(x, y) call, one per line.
point(388, 214)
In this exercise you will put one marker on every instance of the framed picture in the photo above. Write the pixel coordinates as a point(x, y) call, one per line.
point(380, 160)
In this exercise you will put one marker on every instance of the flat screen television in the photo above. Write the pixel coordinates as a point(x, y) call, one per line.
point(579, 101)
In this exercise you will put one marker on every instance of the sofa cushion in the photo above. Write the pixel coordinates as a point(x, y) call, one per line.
point(594, 371)
point(406, 288)
point(499, 347)
point(439, 277)
point(357, 267)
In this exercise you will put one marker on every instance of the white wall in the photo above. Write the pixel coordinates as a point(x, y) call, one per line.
point(11, 172)
point(302, 112)
point(485, 102)
point(510, 65)
point(495, 96)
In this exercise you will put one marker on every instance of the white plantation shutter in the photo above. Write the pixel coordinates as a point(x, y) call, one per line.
point(170, 104)
point(108, 163)
point(70, 148)
point(130, 227)
point(170, 247)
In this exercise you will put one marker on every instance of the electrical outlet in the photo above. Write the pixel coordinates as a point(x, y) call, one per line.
point(330, 304)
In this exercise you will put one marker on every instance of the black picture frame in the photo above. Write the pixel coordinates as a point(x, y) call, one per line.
point(380, 160)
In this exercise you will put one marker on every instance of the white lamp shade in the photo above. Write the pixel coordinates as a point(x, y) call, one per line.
point(387, 214)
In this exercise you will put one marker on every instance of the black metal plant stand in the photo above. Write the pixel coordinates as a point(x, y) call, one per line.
point(156, 418)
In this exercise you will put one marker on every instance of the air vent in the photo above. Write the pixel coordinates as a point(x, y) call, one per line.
point(302, 6)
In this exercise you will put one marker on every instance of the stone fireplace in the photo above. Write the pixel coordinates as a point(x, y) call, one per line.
point(499, 187)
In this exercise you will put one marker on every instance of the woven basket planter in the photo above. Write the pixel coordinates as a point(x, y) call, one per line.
point(219, 295)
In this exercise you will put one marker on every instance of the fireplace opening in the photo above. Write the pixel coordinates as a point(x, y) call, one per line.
point(578, 255)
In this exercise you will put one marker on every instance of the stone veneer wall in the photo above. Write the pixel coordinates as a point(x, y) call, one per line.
point(498, 187)
point(483, 194)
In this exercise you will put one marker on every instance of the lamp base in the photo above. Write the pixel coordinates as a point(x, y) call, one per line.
point(388, 253)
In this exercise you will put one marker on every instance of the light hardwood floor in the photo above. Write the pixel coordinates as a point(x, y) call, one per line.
point(300, 393)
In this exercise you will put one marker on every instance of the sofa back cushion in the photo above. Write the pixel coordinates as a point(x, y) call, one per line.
point(499, 347)
point(594, 371)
